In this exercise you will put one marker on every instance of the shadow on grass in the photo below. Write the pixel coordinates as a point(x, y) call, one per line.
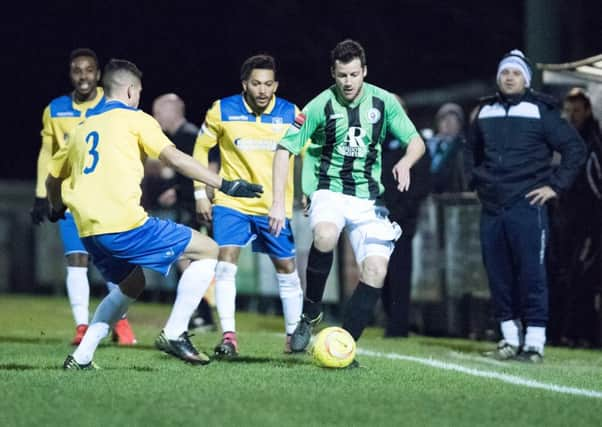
point(30, 340)
point(23, 367)
point(278, 361)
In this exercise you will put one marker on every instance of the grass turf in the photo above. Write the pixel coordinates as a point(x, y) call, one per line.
point(264, 387)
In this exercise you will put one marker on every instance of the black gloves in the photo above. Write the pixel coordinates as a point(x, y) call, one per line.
point(240, 188)
point(54, 216)
point(40, 210)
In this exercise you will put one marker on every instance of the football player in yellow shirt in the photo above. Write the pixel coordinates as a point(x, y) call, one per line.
point(246, 127)
point(59, 119)
point(102, 167)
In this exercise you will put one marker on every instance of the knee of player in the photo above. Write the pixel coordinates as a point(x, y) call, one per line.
point(374, 270)
point(285, 266)
point(325, 238)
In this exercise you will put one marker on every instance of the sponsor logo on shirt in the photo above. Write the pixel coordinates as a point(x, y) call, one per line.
point(354, 143)
point(238, 118)
point(67, 114)
point(249, 144)
point(335, 116)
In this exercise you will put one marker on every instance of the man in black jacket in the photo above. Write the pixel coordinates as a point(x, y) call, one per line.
point(403, 208)
point(509, 164)
point(575, 245)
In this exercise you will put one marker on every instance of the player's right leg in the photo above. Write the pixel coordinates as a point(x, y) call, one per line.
point(78, 287)
point(174, 338)
point(327, 220)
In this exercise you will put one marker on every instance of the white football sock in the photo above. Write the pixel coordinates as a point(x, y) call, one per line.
point(192, 286)
point(291, 295)
point(110, 287)
point(107, 313)
point(78, 290)
point(512, 331)
point(225, 294)
point(536, 337)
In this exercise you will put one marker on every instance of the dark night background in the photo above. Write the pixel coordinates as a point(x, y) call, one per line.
point(195, 48)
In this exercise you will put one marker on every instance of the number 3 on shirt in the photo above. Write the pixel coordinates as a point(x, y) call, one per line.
point(94, 137)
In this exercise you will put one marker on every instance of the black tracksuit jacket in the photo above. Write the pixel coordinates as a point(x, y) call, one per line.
point(510, 146)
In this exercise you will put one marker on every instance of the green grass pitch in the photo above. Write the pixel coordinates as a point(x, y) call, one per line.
point(410, 382)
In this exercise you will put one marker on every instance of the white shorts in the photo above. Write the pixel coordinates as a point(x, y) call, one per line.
point(370, 234)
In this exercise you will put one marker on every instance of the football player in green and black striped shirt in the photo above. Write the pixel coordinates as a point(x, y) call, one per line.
point(347, 124)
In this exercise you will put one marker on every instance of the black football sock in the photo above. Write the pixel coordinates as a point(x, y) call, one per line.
point(204, 311)
point(360, 309)
point(318, 268)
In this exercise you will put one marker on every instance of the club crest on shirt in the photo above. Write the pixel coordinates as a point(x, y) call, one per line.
point(373, 115)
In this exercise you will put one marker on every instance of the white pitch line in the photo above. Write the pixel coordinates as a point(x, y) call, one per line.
point(511, 379)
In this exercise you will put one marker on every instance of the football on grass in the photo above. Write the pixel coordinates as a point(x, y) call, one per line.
point(333, 347)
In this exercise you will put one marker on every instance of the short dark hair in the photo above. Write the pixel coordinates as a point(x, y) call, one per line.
point(262, 62)
point(84, 51)
point(578, 94)
point(346, 51)
point(118, 65)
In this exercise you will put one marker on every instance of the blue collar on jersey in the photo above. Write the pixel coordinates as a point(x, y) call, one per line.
point(106, 106)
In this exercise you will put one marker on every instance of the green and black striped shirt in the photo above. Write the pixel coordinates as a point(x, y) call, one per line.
point(345, 150)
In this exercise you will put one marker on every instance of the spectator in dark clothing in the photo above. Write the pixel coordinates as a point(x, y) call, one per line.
point(574, 257)
point(446, 149)
point(403, 208)
point(509, 162)
point(158, 187)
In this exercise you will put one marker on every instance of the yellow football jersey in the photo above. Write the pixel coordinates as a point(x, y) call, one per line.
point(103, 161)
point(58, 119)
point(246, 144)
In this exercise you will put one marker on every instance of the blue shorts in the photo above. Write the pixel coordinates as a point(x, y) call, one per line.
point(72, 244)
point(156, 245)
point(234, 228)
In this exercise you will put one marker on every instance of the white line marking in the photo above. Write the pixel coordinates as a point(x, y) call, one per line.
point(512, 379)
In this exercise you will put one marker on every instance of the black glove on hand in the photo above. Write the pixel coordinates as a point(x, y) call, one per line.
point(54, 216)
point(240, 188)
point(40, 210)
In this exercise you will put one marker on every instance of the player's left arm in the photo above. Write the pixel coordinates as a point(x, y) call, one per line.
point(401, 170)
point(403, 129)
point(156, 145)
point(292, 143)
point(59, 168)
point(206, 141)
